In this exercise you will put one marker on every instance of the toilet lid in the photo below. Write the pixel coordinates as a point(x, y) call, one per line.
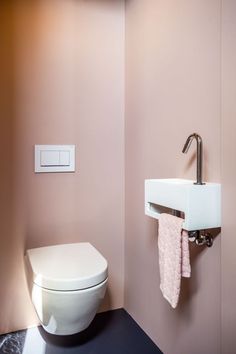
point(66, 267)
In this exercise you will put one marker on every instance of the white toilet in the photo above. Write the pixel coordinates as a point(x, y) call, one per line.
point(67, 284)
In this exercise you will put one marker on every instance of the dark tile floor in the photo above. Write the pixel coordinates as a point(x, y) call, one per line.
point(112, 332)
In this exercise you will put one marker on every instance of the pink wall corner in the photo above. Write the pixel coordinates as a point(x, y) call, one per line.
point(228, 244)
point(172, 90)
point(66, 87)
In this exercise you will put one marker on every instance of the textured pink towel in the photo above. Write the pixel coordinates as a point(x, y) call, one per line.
point(173, 256)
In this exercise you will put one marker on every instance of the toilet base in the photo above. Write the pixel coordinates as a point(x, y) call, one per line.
point(67, 312)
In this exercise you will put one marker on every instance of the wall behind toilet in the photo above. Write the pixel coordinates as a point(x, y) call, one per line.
point(63, 84)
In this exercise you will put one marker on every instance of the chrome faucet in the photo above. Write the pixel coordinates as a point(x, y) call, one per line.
point(199, 154)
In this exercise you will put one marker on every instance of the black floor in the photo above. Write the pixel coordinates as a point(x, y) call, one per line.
point(112, 332)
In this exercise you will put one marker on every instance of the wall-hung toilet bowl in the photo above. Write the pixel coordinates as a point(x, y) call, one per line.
point(67, 284)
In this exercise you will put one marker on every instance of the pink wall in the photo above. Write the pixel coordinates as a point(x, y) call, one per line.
point(228, 244)
point(66, 87)
point(8, 252)
point(172, 90)
point(62, 82)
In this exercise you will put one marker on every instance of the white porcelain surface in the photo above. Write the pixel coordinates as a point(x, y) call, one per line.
point(66, 284)
point(66, 267)
point(67, 312)
point(201, 204)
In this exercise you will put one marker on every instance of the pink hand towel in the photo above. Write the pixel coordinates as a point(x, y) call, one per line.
point(174, 259)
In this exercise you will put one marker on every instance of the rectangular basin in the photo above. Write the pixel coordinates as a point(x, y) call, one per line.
point(201, 204)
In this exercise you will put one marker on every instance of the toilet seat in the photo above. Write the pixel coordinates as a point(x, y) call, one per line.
point(66, 267)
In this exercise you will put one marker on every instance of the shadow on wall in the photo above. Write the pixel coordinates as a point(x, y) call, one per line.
point(190, 286)
point(12, 233)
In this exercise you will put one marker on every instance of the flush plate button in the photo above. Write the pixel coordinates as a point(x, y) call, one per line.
point(54, 158)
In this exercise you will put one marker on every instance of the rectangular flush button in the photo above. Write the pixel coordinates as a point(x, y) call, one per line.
point(64, 158)
point(54, 158)
point(49, 158)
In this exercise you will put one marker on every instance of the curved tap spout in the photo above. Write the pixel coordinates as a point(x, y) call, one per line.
point(199, 154)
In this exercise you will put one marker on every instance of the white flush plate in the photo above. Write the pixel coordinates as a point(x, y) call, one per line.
point(54, 158)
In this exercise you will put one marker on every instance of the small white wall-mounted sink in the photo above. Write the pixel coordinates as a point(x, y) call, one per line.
point(201, 204)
